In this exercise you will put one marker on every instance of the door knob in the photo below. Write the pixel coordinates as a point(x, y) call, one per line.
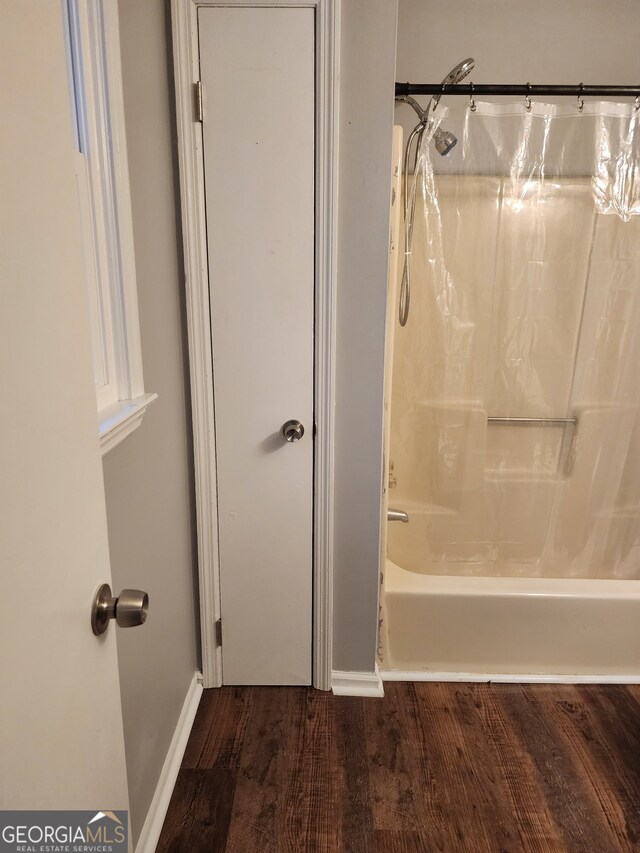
point(293, 430)
point(129, 609)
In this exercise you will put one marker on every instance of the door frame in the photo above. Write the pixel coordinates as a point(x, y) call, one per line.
point(184, 15)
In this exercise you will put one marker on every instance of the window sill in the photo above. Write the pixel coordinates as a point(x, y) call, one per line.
point(118, 421)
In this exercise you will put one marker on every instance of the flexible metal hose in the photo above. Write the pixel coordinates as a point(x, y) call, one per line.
point(409, 208)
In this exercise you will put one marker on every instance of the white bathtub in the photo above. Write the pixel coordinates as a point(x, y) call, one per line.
point(509, 629)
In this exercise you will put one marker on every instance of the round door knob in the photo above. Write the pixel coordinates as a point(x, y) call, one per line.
point(293, 430)
point(132, 608)
point(129, 609)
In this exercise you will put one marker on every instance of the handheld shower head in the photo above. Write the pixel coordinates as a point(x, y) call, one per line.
point(444, 139)
point(462, 70)
point(456, 75)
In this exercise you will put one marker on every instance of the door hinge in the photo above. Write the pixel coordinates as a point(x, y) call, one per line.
point(197, 99)
point(219, 632)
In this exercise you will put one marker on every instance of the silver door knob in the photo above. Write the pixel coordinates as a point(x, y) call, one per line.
point(293, 430)
point(129, 609)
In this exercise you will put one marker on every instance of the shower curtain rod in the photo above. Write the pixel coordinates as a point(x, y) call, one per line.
point(473, 89)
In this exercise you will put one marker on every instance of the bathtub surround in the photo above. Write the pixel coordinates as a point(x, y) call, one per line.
point(393, 275)
point(515, 402)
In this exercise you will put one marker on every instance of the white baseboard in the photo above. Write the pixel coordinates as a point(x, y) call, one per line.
point(356, 683)
point(507, 678)
point(160, 803)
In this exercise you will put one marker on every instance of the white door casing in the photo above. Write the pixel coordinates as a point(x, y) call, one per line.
point(257, 71)
point(61, 737)
point(190, 144)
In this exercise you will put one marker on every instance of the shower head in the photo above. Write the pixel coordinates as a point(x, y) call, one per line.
point(462, 70)
point(456, 75)
point(444, 141)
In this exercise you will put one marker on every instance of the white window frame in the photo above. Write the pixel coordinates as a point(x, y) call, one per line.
point(104, 196)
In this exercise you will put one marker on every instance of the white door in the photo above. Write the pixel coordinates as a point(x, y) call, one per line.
point(257, 69)
point(61, 738)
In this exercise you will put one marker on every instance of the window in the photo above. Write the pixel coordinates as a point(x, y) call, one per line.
point(97, 111)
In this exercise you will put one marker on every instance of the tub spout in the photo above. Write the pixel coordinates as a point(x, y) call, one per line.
point(397, 515)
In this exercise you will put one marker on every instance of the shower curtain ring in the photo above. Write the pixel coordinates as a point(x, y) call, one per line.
point(637, 105)
point(580, 98)
point(527, 99)
point(435, 100)
point(472, 103)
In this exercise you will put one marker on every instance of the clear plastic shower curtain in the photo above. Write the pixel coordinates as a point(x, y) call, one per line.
point(515, 430)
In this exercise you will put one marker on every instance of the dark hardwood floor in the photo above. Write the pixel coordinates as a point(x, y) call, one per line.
point(431, 767)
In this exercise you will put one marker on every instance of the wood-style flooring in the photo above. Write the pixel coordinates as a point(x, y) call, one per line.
point(431, 767)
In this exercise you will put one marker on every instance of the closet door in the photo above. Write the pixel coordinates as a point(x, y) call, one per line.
point(257, 71)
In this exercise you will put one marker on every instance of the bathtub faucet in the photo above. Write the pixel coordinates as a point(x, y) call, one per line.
point(397, 515)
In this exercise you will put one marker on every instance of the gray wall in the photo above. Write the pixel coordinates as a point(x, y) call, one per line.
point(515, 41)
point(147, 478)
point(366, 119)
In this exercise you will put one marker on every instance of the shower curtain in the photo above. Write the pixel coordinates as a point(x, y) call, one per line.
point(515, 428)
